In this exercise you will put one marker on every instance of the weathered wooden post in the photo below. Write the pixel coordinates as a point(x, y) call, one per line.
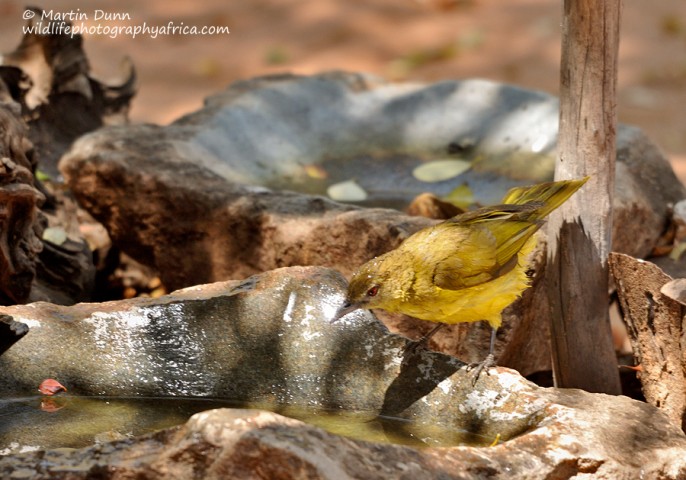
point(580, 230)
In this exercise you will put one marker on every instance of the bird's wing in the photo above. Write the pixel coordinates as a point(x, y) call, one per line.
point(478, 247)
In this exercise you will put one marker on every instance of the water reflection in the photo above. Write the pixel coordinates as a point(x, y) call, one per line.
point(31, 423)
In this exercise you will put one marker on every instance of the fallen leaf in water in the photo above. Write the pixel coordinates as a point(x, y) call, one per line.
point(439, 170)
point(51, 386)
point(461, 196)
point(348, 191)
point(110, 436)
point(315, 171)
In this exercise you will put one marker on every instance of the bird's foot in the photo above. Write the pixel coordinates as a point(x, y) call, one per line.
point(414, 350)
point(479, 367)
point(413, 347)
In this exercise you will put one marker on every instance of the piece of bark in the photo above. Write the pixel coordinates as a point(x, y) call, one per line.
point(20, 230)
point(11, 332)
point(62, 100)
point(48, 98)
point(655, 323)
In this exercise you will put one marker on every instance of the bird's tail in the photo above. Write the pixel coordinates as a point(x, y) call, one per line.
point(549, 195)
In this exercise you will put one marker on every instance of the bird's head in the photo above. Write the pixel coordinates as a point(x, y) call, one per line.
point(368, 289)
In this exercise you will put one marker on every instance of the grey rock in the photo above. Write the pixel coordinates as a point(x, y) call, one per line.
point(177, 191)
point(201, 200)
point(269, 339)
point(251, 340)
point(196, 227)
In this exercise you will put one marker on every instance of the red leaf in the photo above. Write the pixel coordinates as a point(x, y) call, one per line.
point(50, 386)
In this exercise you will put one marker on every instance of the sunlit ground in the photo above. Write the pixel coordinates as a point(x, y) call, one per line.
point(421, 40)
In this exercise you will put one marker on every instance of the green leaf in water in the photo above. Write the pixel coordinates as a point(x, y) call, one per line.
point(439, 170)
point(348, 191)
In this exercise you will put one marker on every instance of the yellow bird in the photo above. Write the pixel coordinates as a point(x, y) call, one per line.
point(465, 269)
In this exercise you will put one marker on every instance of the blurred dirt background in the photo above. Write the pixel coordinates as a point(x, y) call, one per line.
point(416, 40)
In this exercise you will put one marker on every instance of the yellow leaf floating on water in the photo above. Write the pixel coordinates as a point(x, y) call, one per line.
point(461, 196)
point(677, 251)
point(439, 170)
point(315, 171)
point(348, 191)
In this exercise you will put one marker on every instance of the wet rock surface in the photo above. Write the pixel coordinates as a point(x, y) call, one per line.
point(269, 338)
point(256, 444)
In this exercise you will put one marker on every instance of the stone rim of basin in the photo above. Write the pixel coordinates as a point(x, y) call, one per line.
point(147, 174)
point(279, 348)
point(554, 427)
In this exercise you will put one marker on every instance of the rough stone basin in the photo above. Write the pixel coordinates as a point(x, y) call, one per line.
point(269, 340)
point(201, 180)
point(201, 201)
point(191, 198)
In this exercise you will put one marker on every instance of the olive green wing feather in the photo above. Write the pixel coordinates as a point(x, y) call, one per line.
point(550, 195)
point(483, 244)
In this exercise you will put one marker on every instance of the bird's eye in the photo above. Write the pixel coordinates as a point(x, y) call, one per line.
point(373, 291)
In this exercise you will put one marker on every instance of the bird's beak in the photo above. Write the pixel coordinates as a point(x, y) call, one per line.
point(343, 310)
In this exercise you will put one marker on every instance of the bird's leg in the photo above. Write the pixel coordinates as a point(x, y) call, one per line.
point(421, 343)
point(489, 361)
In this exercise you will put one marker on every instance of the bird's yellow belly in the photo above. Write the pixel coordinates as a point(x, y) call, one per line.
point(481, 302)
